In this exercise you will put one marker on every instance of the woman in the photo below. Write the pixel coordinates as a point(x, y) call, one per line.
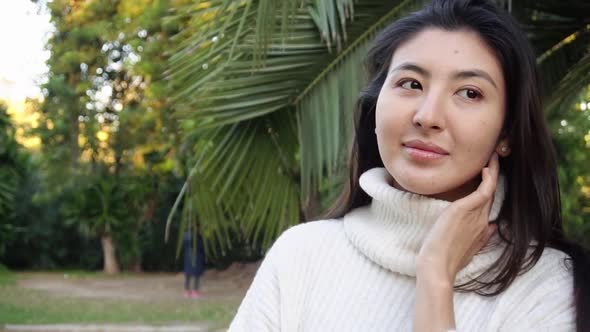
point(451, 218)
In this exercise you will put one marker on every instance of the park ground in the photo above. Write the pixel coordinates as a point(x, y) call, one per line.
point(145, 299)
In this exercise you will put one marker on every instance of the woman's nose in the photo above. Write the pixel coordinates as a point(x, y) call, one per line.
point(430, 113)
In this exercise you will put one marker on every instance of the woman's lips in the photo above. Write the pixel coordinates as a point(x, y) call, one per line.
point(424, 151)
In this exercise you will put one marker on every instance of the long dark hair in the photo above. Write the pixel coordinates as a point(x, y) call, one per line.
point(531, 210)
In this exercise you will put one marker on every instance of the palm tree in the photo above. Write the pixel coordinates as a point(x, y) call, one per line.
point(265, 91)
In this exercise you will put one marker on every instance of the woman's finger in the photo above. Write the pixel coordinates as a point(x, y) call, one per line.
point(494, 166)
point(489, 184)
point(484, 193)
point(494, 172)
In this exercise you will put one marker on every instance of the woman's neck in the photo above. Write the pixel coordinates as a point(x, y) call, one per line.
point(449, 196)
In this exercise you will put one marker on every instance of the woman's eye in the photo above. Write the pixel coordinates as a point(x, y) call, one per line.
point(470, 94)
point(411, 85)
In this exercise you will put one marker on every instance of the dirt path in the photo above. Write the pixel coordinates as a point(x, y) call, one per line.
point(231, 283)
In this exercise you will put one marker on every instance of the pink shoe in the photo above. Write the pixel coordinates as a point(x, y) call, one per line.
point(196, 294)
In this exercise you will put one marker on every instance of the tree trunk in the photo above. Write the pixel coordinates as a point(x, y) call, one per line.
point(148, 216)
point(74, 80)
point(136, 265)
point(108, 252)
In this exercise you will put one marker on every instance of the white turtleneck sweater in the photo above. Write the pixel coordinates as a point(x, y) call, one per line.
point(358, 274)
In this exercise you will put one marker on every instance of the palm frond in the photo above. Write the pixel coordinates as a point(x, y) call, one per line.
point(216, 71)
point(560, 35)
point(236, 91)
point(246, 186)
point(570, 87)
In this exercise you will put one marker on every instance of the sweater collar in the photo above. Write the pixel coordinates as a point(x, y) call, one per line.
point(390, 231)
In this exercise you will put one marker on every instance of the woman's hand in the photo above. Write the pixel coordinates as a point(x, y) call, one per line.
point(460, 232)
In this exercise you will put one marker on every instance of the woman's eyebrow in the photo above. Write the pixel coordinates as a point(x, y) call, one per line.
point(473, 73)
point(412, 67)
point(457, 75)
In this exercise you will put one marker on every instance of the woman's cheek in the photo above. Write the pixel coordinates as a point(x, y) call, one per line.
point(474, 156)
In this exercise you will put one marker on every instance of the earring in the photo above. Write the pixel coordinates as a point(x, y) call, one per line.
point(504, 149)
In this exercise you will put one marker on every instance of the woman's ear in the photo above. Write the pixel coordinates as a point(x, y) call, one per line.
point(503, 147)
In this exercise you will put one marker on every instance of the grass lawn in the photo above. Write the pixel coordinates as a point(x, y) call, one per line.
point(20, 305)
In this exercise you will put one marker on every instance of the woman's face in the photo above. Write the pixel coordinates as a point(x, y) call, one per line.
point(440, 112)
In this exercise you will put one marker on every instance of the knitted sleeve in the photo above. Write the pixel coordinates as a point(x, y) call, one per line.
point(260, 308)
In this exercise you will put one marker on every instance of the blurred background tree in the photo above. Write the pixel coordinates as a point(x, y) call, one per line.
point(107, 155)
point(233, 114)
point(12, 164)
